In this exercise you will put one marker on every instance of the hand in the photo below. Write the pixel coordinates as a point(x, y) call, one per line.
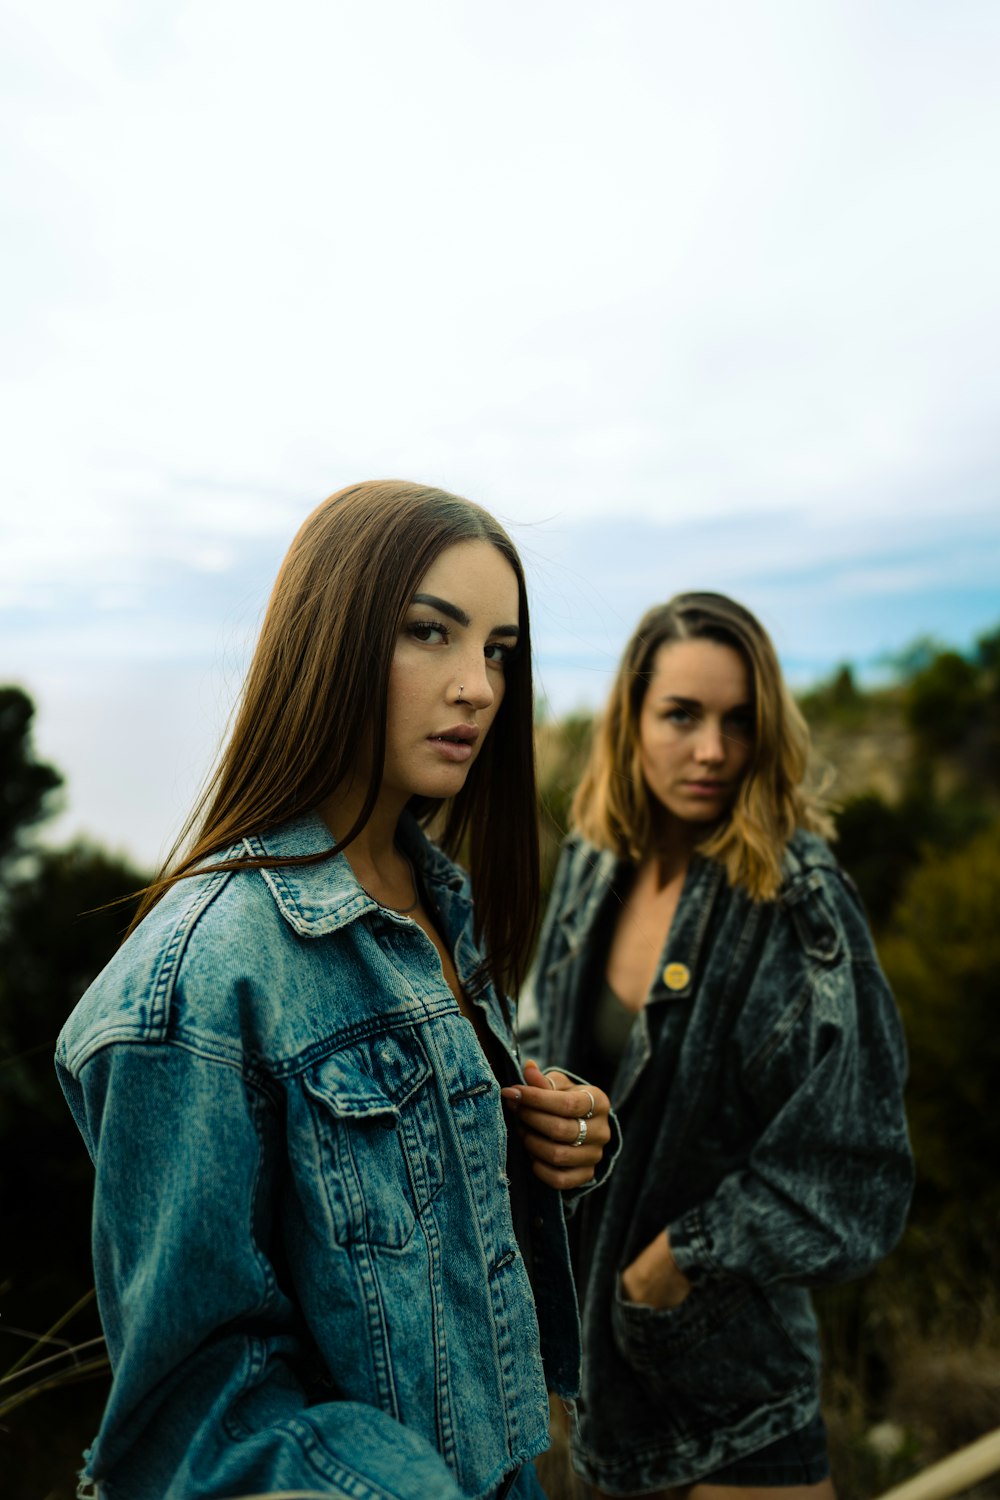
point(551, 1111)
point(654, 1277)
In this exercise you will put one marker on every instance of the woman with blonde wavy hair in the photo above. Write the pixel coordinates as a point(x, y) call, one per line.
point(706, 961)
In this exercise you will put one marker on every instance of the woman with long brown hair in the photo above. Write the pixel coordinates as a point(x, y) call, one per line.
point(318, 1250)
point(706, 960)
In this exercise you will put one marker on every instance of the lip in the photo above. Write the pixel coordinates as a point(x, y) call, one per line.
point(467, 733)
point(706, 788)
point(455, 744)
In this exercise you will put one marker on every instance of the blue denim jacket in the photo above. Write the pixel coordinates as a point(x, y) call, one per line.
point(760, 1102)
point(303, 1242)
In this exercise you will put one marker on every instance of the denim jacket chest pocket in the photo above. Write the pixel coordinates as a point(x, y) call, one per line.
point(372, 1109)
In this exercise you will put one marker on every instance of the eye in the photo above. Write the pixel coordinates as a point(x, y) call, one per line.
point(500, 652)
point(679, 716)
point(428, 632)
point(741, 726)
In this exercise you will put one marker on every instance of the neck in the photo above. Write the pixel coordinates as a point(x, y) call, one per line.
point(380, 868)
point(374, 847)
point(671, 845)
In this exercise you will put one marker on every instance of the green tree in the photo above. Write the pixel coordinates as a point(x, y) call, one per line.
point(943, 702)
point(914, 658)
point(26, 784)
point(942, 958)
point(988, 651)
point(836, 701)
point(878, 845)
point(60, 924)
point(61, 918)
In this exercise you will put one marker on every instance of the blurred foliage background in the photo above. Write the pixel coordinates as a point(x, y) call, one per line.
point(913, 1351)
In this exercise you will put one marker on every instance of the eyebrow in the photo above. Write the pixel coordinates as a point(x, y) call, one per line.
point(458, 615)
point(690, 704)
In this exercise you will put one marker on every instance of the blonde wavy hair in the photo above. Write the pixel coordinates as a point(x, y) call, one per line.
point(611, 806)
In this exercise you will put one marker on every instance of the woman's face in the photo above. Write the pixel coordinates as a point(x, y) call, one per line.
point(446, 682)
point(696, 728)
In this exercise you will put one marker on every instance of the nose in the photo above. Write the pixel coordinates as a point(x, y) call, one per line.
point(474, 686)
point(710, 748)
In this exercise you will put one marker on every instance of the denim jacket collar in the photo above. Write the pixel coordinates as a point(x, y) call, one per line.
point(594, 887)
point(320, 898)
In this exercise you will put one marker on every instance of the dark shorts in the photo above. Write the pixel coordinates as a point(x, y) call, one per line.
point(798, 1458)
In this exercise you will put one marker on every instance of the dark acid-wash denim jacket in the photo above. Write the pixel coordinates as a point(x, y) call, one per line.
point(760, 1102)
point(305, 1257)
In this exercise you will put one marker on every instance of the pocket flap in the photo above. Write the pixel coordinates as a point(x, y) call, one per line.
point(372, 1078)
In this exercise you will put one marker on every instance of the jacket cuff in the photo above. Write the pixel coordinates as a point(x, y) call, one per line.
point(691, 1246)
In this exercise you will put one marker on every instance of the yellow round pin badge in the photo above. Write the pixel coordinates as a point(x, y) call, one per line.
point(676, 976)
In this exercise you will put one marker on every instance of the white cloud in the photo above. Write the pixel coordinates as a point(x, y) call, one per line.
point(729, 267)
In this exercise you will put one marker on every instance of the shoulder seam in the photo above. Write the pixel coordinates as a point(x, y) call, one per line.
point(165, 974)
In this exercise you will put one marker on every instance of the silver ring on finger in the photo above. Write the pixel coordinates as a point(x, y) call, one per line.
point(582, 1135)
point(593, 1105)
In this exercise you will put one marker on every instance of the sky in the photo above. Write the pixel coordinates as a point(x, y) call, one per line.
point(691, 295)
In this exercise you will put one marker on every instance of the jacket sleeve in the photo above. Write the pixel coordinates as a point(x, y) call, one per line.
point(210, 1358)
point(534, 1025)
point(535, 1020)
point(826, 1186)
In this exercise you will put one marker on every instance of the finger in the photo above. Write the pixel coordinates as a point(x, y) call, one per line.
point(547, 1145)
point(571, 1104)
point(592, 1140)
point(597, 1101)
point(556, 1178)
point(566, 1128)
point(555, 1154)
point(534, 1076)
point(561, 1152)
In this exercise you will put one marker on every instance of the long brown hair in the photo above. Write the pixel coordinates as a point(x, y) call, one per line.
point(611, 806)
point(314, 706)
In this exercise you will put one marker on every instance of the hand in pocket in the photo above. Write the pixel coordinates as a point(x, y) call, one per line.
point(654, 1278)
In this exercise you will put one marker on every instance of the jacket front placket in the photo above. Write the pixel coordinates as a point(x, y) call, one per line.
point(675, 979)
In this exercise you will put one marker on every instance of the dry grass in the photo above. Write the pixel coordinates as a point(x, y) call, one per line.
point(873, 759)
point(950, 1396)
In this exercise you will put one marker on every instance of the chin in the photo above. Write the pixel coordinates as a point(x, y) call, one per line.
point(700, 815)
point(441, 786)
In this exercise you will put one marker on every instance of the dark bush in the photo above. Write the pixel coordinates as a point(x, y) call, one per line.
point(944, 702)
point(878, 845)
point(942, 957)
